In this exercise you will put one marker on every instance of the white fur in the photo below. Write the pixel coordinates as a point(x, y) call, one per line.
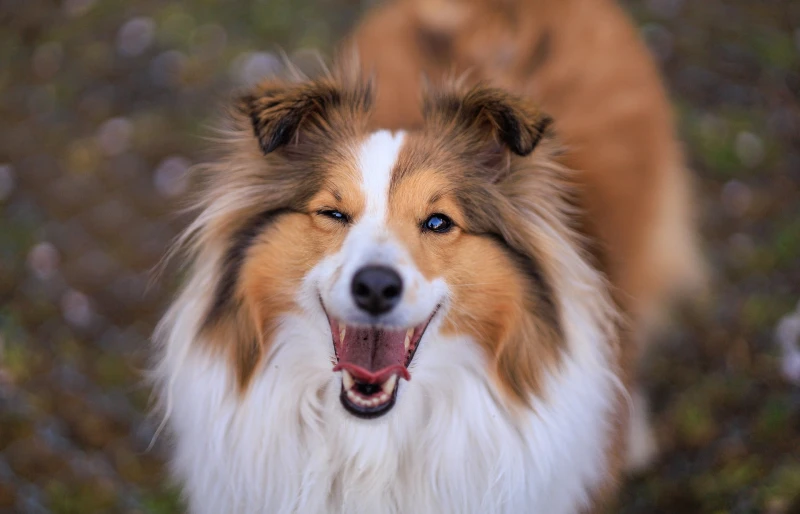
point(376, 161)
point(449, 445)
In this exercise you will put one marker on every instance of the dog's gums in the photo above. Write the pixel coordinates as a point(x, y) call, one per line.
point(372, 359)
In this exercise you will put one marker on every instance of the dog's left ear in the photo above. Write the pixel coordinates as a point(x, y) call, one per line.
point(489, 119)
point(282, 112)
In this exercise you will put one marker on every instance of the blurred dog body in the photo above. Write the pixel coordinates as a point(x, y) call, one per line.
point(583, 63)
point(407, 320)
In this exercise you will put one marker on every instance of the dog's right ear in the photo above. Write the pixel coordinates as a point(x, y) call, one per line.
point(508, 119)
point(494, 125)
point(283, 112)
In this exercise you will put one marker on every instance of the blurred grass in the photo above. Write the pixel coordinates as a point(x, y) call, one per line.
point(104, 103)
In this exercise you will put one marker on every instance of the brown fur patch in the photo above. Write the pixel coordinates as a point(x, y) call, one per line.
point(276, 265)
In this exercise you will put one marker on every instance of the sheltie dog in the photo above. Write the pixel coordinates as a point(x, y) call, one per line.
point(428, 305)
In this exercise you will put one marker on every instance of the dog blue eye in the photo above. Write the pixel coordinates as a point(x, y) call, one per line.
point(337, 215)
point(437, 223)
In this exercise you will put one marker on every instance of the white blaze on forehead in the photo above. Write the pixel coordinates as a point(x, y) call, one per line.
point(376, 160)
point(371, 242)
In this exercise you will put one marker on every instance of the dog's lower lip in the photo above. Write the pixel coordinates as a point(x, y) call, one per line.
point(376, 401)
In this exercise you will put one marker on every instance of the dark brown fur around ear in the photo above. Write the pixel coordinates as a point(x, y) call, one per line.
point(281, 111)
point(491, 113)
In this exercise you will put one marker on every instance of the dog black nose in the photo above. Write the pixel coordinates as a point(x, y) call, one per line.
point(376, 289)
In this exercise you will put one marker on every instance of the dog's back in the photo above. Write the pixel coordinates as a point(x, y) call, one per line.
point(582, 61)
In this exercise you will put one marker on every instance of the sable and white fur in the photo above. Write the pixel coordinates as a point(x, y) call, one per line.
point(270, 435)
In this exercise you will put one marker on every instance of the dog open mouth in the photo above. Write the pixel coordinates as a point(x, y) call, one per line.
point(372, 360)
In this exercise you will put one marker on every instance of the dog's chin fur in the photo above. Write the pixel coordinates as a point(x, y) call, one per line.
point(452, 443)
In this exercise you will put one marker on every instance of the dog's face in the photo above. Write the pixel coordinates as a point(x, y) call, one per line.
point(382, 280)
point(388, 235)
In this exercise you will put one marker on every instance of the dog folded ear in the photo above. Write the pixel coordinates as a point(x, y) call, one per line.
point(502, 121)
point(283, 112)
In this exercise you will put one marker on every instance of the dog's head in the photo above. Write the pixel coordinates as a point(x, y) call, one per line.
point(393, 238)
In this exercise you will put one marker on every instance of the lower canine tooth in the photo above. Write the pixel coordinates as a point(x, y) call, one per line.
point(342, 331)
point(347, 380)
point(388, 386)
point(409, 334)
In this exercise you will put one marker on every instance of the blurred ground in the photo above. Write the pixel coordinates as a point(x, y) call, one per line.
point(104, 104)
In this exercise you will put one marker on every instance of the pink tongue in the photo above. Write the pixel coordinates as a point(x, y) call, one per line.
point(372, 355)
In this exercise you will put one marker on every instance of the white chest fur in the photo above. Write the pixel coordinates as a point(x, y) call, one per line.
point(288, 446)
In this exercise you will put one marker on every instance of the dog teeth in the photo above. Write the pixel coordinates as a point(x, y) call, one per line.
point(379, 398)
point(347, 380)
point(409, 335)
point(342, 331)
point(388, 386)
point(367, 402)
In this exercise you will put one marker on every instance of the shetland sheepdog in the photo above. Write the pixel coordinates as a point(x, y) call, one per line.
point(394, 305)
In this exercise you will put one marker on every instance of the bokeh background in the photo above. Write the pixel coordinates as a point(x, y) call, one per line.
point(104, 104)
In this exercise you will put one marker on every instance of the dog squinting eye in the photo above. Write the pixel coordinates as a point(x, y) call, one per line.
point(437, 223)
point(334, 214)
